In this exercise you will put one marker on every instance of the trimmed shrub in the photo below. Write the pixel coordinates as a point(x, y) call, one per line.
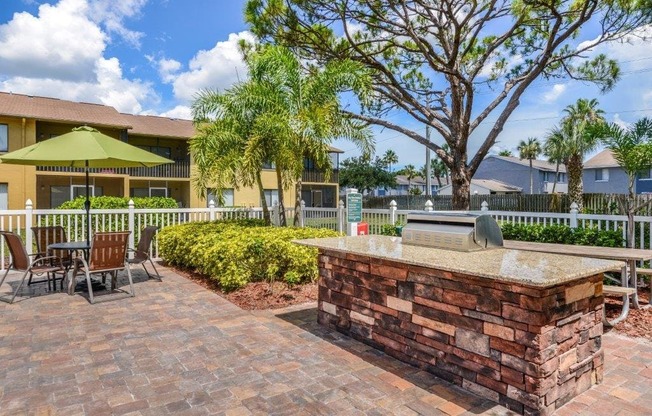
point(241, 251)
point(562, 234)
point(116, 202)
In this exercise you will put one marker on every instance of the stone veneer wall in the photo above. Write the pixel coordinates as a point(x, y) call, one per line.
point(529, 349)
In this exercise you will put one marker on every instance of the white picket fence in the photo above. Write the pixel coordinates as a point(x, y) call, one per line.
point(74, 221)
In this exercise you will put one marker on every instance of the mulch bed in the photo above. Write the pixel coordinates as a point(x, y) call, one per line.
point(638, 322)
point(258, 295)
point(262, 295)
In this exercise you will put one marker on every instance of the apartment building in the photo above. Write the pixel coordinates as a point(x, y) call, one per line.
point(25, 120)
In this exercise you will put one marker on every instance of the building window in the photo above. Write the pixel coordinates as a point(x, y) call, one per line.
point(4, 138)
point(644, 174)
point(602, 175)
point(149, 192)
point(165, 152)
point(271, 196)
point(227, 197)
point(269, 165)
point(61, 194)
point(4, 200)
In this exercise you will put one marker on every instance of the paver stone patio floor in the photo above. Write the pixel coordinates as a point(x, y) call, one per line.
point(177, 348)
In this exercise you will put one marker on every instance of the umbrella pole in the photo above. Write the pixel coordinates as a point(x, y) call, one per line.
point(87, 206)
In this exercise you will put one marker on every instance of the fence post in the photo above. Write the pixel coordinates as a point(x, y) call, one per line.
point(340, 217)
point(132, 225)
point(392, 212)
point(302, 209)
point(28, 225)
point(211, 210)
point(573, 216)
point(484, 206)
point(428, 205)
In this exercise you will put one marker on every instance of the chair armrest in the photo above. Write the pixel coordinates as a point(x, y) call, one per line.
point(37, 254)
point(54, 259)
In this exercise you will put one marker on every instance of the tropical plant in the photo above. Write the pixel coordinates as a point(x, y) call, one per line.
point(555, 150)
point(432, 59)
point(581, 128)
point(283, 114)
point(632, 149)
point(505, 152)
point(390, 158)
point(530, 150)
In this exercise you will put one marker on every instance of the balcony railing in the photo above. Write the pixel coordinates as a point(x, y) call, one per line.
point(319, 177)
point(179, 169)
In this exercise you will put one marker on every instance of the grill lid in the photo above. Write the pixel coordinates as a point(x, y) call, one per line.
point(456, 231)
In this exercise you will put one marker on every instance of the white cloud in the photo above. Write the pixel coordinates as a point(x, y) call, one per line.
point(167, 69)
point(60, 53)
point(218, 68)
point(555, 92)
point(180, 111)
point(112, 14)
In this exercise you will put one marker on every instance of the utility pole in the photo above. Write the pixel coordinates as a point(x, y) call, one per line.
point(428, 172)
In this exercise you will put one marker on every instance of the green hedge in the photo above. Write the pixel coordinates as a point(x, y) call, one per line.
point(562, 234)
point(241, 251)
point(116, 202)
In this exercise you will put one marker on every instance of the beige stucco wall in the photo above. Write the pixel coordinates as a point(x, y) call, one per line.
point(20, 180)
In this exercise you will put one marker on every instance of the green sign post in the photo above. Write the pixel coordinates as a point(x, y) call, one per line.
point(353, 207)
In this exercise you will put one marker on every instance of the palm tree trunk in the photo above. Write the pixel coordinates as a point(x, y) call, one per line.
point(554, 184)
point(575, 186)
point(263, 201)
point(281, 199)
point(297, 205)
point(531, 178)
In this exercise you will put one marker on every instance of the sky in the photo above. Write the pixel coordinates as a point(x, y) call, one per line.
point(153, 56)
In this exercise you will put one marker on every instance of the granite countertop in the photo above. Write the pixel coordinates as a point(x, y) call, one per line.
point(517, 266)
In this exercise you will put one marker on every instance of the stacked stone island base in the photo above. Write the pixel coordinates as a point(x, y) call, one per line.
point(527, 345)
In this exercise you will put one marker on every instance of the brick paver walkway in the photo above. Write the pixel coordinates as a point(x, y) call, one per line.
point(177, 348)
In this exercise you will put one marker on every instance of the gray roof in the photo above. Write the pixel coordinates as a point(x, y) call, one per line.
point(417, 180)
point(536, 164)
point(604, 159)
point(493, 185)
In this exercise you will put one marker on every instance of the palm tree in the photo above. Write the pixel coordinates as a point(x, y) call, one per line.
point(307, 114)
point(390, 158)
point(225, 137)
point(284, 114)
point(632, 149)
point(555, 150)
point(581, 127)
point(530, 150)
point(505, 152)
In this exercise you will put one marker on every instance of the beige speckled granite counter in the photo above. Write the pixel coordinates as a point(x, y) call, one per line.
point(514, 266)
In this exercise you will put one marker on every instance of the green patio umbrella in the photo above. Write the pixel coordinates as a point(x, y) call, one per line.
point(84, 147)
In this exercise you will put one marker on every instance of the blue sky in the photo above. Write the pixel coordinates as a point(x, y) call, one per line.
point(152, 56)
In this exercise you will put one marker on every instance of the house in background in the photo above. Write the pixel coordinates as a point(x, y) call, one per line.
point(25, 120)
point(516, 172)
point(403, 185)
point(484, 187)
point(602, 174)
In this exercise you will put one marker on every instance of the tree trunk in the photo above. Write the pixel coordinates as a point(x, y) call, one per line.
point(554, 184)
point(630, 206)
point(281, 199)
point(575, 186)
point(297, 205)
point(461, 188)
point(531, 178)
point(263, 201)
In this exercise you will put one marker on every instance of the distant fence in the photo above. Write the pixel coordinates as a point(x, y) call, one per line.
point(593, 203)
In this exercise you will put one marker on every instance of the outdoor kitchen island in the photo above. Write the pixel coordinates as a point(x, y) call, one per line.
point(520, 328)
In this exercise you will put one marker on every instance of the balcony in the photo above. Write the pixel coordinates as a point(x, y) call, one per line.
point(309, 175)
point(178, 169)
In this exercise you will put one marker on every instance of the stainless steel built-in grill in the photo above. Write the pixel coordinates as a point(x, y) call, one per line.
point(454, 231)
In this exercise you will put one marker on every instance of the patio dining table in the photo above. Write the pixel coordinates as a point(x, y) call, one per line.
point(629, 257)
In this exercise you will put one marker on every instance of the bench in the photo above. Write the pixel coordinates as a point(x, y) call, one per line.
point(609, 290)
